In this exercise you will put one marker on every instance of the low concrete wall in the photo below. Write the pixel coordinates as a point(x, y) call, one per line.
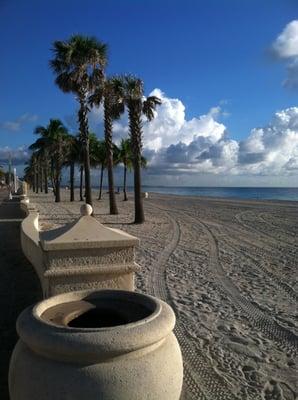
point(79, 256)
point(30, 241)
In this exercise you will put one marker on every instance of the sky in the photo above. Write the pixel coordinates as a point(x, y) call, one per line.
point(226, 71)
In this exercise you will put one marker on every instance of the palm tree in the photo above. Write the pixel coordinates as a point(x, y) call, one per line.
point(132, 92)
point(40, 147)
point(81, 182)
point(2, 173)
point(29, 175)
point(79, 67)
point(53, 141)
point(31, 171)
point(125, 157)
point(101, 156)
point(94, 143)
point(35, 171)
point(73, 156)
point(109, 93)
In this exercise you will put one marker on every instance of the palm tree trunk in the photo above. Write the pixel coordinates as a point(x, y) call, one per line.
point(108, 125)
point(72, 168)
point(81, 182)
point(57, 188)
point(52, 176)
point(34, 179)
point(139, 210)
point(83, 120)
point(87, 176)
point(41, 178)
point(135, 125)
point(46, 180)
point(37, 181)
point(100, 186)
point(124, 183)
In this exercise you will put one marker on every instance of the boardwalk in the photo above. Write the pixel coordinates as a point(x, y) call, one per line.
point(19, 286)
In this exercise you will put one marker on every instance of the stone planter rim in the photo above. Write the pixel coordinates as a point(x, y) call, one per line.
point(85, 345)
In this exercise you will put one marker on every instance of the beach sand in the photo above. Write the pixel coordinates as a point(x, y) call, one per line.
point(229, 270)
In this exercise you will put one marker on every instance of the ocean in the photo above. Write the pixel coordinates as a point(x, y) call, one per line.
point(259, 193)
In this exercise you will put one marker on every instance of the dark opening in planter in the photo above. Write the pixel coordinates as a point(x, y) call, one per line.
point(97, 313)
point(98, 318)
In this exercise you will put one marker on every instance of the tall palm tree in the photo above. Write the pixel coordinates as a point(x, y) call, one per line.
point(101, 156)
point(54, 141)
point(29, 172)
point(35, 172)
point(125, 157)
point(79, 67)
point(2, 173)
point(72, 157)
point(94, 143)
point(81, 181)
point(132, 92)
point(108, 93)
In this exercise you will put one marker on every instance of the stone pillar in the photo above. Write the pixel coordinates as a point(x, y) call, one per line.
point(87, 255)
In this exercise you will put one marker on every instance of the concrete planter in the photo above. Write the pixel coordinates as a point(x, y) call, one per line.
point(108, 345)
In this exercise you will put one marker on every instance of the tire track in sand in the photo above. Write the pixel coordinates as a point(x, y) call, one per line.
point(200, 379)
point(239, 219)
point(285, 339)
point(276, 280)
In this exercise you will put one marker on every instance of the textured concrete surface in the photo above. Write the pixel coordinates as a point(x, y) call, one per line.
point(137, 359)
point(80, 255)
point(19, 285)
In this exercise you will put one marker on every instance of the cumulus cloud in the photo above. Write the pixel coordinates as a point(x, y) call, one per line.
point(273, 149)
point(18, 123)
point(286, 47)
point(286, 44)
point(206, 147)
point(175, 145)
point(171, 127)
point(18, 156)
point(200, 150)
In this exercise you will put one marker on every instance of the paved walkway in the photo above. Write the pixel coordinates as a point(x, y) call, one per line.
point(19, 286)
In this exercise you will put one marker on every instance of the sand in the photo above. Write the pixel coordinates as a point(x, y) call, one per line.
point(229, 270)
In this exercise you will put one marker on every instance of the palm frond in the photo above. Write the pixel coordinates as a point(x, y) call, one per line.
point(79, 63)
point(149, 106)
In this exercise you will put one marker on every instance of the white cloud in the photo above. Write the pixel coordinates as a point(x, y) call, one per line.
point(202, 145)
point(273, 149)
point(286, 44)
point(171, 127)
point(18, 156)
point(286, 47)
point(175, 145)
point(18, 123)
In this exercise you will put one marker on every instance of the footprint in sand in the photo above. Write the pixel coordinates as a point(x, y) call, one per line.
point(272, 391)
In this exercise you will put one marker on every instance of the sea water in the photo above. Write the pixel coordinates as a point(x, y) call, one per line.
point(259, 193)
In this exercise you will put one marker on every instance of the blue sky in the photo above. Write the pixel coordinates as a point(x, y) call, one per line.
point(206, 53)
